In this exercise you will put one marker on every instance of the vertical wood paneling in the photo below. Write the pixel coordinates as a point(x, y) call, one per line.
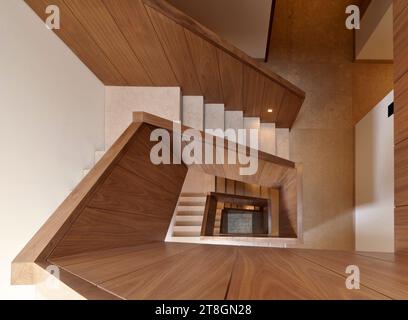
point(134, 22)
point(401, 44)
point(401, 173)
point(401, 109)
point(253, 90)
point(232, 79)
point(401, 124)
point(80, 42)
point(97, 20)
point(205, 61)
point(174, 42)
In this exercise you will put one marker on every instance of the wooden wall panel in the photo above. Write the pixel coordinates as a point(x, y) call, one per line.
point(401, 229)
point(96, 19)
point(151, 43)
point(133, 205)
point(174, 42)
point(400, 43)
point(399, 6)
point(206, 63)
point(80, 41)
point(401, 125)
point(232, 79)
point(134, 22)
point(401, 173)
point(253, 90)
point(401, 109)
point(97, 229)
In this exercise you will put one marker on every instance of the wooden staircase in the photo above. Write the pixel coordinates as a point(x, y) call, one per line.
point(189, 215)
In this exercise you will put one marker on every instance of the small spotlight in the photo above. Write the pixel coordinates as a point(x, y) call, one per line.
point(270, 110)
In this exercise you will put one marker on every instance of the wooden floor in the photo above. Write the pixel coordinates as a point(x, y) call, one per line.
point(182, 271)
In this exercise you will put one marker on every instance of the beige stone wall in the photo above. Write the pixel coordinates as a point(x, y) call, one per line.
point(315, 52)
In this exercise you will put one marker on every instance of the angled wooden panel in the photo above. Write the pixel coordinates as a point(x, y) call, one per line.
point(401, 229)
point(97, 229)
point(272, 99)
point(133, 205)
point(80, 42)
point(254, 85)
point(401, 173)
point(401, 109)
point(174, 42)
point(134, 22)
point(97, 20)
point(231, 72)
point(385, 277)
point(205, 61)
point(273, 274)
point(399, 6)
point(201, 273)
point(401, 44)
point(289, 110)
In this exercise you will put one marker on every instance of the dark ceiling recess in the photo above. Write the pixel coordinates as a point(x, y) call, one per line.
point(390, 109)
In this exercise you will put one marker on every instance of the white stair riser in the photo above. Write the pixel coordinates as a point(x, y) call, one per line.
point(191, 208)
point(193, 112)
point(214, 116)
point(193, 199)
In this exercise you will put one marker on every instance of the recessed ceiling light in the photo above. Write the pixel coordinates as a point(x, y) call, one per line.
point(270, 110)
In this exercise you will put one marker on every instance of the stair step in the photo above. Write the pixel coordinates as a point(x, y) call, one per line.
point(186, 231)
point(85, 172)
point(193, 199)
point(191, 208)
point(189, 220)
point(191, 203)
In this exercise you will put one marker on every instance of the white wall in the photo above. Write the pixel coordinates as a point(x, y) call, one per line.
point(374, 180)
point(243, 23)
point(51, 122)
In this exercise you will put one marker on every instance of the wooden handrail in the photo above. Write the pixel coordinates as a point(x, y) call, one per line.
point(193, 25)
